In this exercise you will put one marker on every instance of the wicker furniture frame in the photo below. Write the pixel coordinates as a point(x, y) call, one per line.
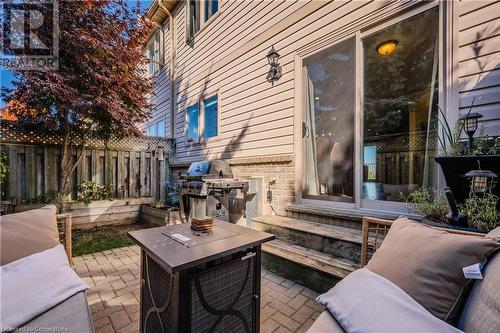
point(64, 226)
point(374, 231)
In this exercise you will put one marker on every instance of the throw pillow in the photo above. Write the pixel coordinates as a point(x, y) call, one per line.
point(427, 264)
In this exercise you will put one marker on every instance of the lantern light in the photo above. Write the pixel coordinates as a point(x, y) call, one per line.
point(470, 125)
point(387, 47)
point(273, 56)
point(275, 71)
point(480, 180)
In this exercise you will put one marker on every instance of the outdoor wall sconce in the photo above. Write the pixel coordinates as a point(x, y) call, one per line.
point(470, 125)
point(387, 47)
point(480, 180)
point(274, 73)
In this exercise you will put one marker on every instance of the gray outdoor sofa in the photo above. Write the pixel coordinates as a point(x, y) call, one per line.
point(481, 309)
point(72, 315)
point(26, 233)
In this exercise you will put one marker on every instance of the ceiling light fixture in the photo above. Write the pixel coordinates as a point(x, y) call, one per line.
point(387, 47)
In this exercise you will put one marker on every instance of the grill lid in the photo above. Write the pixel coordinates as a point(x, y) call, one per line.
point(210, 169)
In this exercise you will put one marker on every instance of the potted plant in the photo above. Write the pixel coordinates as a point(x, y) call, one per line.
point(480, 208)
point(459, 157)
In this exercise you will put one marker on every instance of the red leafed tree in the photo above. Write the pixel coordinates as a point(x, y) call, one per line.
point(98, 91)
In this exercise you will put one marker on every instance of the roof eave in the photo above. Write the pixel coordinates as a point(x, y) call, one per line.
point(156, 14)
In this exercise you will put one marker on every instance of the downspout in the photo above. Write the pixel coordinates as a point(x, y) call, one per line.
point(173, 47)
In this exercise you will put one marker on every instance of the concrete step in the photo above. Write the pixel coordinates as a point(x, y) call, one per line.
point(316, 270)
point(339, 242)
point(349, 218)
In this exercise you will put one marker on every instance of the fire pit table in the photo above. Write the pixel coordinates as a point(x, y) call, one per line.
point(200, 282)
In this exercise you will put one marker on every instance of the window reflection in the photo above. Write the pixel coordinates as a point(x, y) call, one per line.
point(400, 94)
point(328, 130)
point(210, 115)
point(192, 123)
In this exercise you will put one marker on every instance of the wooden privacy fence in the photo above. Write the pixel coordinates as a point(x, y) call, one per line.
point(137, 167)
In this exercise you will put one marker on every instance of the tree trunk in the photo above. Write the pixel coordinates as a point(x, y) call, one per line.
point(67, 169)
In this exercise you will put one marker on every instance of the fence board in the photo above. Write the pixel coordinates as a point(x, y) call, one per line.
point(13, 181)
point(34, 171)
point(30, 164)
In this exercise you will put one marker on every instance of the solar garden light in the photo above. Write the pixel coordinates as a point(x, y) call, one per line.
point(275, 71)
point(480, 180)
point(455, 217)
point(470, 125)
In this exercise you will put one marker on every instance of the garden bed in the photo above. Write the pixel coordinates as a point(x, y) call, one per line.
point(160, 216)
point(101, 212)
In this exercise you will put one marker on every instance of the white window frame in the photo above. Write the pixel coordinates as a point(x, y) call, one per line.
point(157, 123)
point(186, 124)
point(445, 97)
point(155, 44)
point(201, 119)
point(202, 22)
point(155, 128)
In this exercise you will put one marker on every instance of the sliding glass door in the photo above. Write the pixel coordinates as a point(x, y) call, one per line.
point(400, 91)
point(397, 68)
point(328, 129)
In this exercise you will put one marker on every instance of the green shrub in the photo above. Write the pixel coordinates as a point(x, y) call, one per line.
point(428, 202)
point(160, 204)
point(89, 191)
point(481, 210)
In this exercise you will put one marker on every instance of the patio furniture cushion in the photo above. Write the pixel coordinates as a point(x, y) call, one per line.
point(325, 323)
point(26, 233)
point(32, 285)
point(72, 315)
point(369, 303)
point(427, 264)
point(481, 312)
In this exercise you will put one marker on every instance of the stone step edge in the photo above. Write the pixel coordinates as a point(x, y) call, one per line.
point(310, 258)
point(316, 228)
point(343, 213)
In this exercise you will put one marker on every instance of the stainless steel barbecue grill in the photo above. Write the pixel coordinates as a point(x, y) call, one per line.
point(212, 191)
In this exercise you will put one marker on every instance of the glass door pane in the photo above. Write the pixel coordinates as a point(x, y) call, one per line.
point(328, 129)
point(400, 76)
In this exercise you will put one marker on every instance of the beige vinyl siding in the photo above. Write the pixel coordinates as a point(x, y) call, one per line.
point(160, 98)
point(256, 118)
point(479, 57)
point(229, 57)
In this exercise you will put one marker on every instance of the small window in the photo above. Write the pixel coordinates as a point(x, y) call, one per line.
point(193, 19)
point(151, 57)
point(152, 131)
point(211, 7)
point(192, 120)
point(155, 55)
point(210, 115)
point(198, 13)
point(161, 128)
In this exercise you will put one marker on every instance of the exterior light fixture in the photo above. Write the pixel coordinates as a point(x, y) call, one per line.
point(470, 125)
point(387, 47)
point(274, 73)
point(480, 180)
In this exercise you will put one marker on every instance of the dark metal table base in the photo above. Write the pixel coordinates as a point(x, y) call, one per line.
point(218, 296)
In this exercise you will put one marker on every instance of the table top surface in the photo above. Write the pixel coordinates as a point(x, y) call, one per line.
point(168, 247)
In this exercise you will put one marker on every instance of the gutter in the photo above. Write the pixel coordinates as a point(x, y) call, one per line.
point(173, 52)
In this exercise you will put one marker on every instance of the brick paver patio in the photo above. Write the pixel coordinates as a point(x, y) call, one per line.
point(114, 295)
